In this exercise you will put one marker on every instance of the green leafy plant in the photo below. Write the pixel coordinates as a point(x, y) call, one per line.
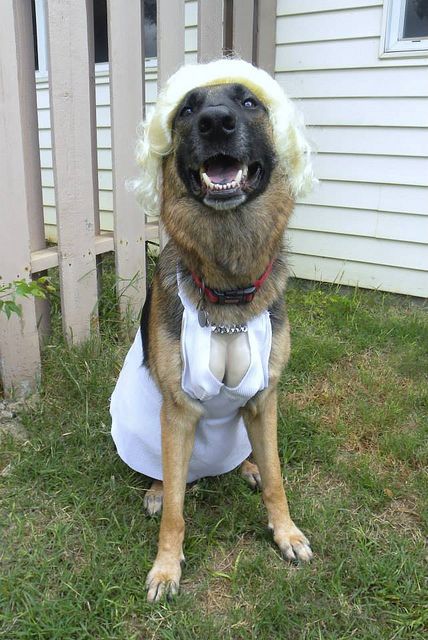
point(39, 288)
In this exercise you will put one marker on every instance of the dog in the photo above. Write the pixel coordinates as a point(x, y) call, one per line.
point(224, 155)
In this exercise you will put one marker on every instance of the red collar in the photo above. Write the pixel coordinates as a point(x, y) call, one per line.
point(232, 296)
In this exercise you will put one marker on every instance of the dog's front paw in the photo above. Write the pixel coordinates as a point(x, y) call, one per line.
point(293, 545)
point(163, 579)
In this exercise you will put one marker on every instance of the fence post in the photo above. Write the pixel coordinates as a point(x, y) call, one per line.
point(170, 45)
point(20, 186)
point(210, 30)
point(72, 100)
point(126, 60)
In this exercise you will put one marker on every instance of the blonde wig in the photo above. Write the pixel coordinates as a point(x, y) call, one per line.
point(155, 134)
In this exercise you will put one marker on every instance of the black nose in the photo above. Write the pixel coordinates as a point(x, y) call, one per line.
point(216, 121)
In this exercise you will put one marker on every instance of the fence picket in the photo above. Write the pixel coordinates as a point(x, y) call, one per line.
point(170, 45)
point(265, 35)
point(126, 59)
point(243, 29)
point(72, 99)
point(210, 30)
point(20, 186)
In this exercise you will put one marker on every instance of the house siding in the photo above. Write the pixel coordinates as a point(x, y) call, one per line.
point(367, 222)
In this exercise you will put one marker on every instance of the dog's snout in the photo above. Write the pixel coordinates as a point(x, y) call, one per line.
point(215, 121)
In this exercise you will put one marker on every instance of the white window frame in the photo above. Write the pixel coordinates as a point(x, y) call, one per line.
point(392, 44)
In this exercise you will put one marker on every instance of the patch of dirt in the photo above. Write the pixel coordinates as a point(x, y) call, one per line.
point(402, 515)
point(215, 584)
point(346, 377)
point(318, 483)
point(11, 426)
point(345, 396)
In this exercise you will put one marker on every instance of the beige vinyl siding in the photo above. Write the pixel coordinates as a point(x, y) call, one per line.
point(103, 128)
point(367, 222)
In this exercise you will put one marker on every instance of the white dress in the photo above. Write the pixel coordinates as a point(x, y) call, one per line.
point(221, 441)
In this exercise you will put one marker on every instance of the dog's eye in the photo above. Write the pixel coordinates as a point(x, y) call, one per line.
point(249, 103)
point(186, 111)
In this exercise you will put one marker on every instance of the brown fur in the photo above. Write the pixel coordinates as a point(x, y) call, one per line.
point(229, 249)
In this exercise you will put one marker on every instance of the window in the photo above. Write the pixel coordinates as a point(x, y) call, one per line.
point(100, 28)
point(36, 53)
point(405, 28)
point(39, 35)
point(100, 32)
point(150, 20)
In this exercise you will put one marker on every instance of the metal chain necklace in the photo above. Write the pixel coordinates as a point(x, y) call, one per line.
point(204, 321)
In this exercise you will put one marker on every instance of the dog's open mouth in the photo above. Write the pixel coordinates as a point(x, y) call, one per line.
point(225, 181)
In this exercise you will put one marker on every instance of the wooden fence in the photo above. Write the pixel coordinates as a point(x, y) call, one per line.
point(224, 26)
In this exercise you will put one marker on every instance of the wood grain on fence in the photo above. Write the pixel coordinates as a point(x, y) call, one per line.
point(20, 186)
point(210, 30)
point(170, 50)
point(265, 35)
point(72, 100)
point(126, 58)
point(243, 29)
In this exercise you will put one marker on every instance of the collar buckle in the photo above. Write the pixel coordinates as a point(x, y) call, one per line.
point(235, 296)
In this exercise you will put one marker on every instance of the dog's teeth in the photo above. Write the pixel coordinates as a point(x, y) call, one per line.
point(206, 179)
point(233, 184)
point(238, 176)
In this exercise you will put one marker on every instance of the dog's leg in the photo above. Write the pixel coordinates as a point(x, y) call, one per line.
point(178, 433)
point(261, 421)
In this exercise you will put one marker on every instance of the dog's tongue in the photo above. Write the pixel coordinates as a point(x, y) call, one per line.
point(222, 170)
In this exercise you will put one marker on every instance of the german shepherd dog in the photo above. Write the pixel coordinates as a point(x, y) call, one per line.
point(225, 207)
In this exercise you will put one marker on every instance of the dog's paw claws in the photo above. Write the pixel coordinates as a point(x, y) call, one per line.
point(163, 581)
point(254, 480)
point(294, 546)
point(159, 590)
point(153, 501)
point(251, 475)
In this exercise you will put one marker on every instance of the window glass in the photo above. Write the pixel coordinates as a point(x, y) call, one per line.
point(36, 51)
point(150, 50)
point(416, 19)
point(100, 28)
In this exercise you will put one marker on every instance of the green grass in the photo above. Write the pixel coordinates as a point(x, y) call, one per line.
point(76, 545)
